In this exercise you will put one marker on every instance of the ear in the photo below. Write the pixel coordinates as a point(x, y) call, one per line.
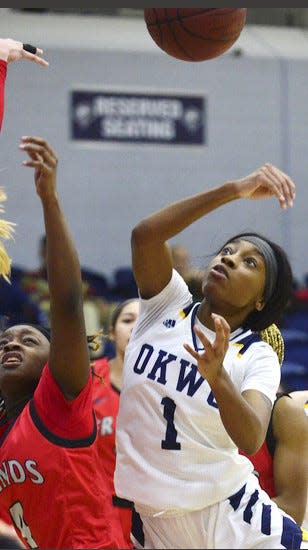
point(259, 305)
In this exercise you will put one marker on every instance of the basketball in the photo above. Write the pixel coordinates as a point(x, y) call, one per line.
point(195, 34)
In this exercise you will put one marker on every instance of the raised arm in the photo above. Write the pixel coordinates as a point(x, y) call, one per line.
point(69, 357)
point(151, 259)
point(13, 50)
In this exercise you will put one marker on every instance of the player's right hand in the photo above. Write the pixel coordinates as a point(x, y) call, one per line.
point(267, 181)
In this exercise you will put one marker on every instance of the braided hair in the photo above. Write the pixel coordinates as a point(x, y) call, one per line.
point(273, 337)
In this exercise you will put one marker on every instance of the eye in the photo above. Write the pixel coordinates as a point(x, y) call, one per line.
point(3, 342)
point(226, 250)
point(30, 340)
point(251, 261)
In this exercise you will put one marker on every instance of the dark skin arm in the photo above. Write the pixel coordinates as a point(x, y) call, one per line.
point(245, 416)
point(290, 464)
point(69, 355)
point(151, 258)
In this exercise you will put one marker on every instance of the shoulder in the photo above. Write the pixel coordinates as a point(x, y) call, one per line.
point(168, 305)
point(251, 344)
point(289, 419)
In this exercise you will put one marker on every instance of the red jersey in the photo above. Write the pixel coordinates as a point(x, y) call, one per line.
point(106, 405)
point(3, 70)
point(51, 482)
point(263, 467)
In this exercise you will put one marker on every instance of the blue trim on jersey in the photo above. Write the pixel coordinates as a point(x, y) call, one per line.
point(188, 309)
point(235, 500)
point(291, 537)
point(248, 340)
point(266, 519)
point(248, 510)
point(137, 528)
point(193, 317)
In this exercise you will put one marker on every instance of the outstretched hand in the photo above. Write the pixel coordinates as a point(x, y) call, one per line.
point(44, 161)
point(266, 182)
point(210, 360)
point(13, 50)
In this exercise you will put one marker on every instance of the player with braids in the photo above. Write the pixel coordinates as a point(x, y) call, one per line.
point(52, 486)
point(200, 383)
point(281, 464)
point(273, 337)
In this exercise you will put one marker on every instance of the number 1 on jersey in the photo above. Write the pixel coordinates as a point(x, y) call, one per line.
point(170, 441)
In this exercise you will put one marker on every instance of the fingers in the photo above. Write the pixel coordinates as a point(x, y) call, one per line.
point(13, 50)
point(35, 57)
point(192, 351)
point(30, 48)
point(220, 345)
point(283, 186)
point(38, 150)
point(222, 329)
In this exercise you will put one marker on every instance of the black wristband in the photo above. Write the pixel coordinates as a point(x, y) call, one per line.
point(29, 48)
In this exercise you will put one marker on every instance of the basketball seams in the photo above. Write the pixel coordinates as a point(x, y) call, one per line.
point(158, 25)
point(210, 37)
point(169, 19)
point(179, 45)
point(196, 35)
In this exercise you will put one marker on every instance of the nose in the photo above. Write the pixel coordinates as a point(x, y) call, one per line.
point(12, 344)
point(229, 260)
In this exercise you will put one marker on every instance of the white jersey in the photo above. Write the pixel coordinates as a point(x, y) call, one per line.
point(173, 451)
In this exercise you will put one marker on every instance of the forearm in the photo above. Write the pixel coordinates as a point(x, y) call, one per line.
point(62, 260)
point(169, 221)
point(238, 417)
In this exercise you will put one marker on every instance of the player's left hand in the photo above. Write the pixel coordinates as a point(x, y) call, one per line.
point(210, 360)
point(44, 161)
point(13, 50)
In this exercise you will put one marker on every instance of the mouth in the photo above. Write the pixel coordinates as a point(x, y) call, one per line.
point(11, 360)
point(220, 271)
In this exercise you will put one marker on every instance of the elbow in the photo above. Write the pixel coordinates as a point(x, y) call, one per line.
point(142, 234)
point(250, 448)
point(254, 440)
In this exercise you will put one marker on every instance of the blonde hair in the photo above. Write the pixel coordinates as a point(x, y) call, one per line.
point(273, 337)
point(6, 232)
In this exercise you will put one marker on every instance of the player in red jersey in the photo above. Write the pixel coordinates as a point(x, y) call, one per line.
point(13, 50)
point(51, 483)
point(106, 398)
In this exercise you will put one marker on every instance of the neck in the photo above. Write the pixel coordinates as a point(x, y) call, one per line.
point(14, 407)
point(116, 370)
point(204, 314)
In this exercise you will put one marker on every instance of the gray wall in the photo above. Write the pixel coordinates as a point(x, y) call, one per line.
point(257, 112)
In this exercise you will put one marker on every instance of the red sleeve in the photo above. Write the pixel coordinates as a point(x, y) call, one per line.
point(3, 70)
point(68, 419)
